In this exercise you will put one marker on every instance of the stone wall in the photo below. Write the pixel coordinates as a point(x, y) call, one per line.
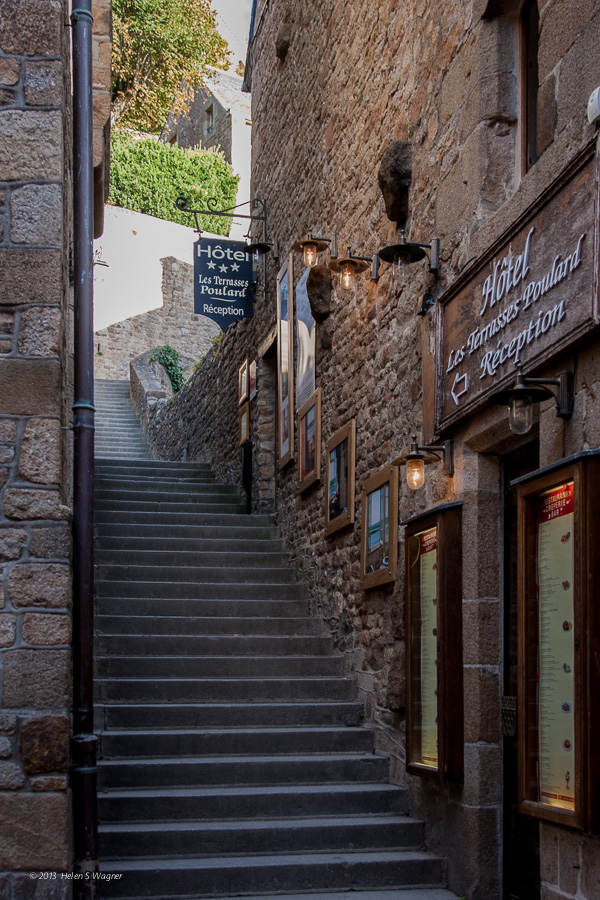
point(445, 83)
point(35, 320)
point(174, 323)
point(36, 373)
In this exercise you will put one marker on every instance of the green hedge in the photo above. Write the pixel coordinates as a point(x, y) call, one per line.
point(148, 176)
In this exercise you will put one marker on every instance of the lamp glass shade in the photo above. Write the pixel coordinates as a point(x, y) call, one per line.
point(310, 254)
point(347, 275)
point(520, 413)
point(415, 473)
point(256, 257)
point(402, 258)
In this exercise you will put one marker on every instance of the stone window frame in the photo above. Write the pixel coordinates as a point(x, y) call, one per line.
point(522, 14)
point(209, 120)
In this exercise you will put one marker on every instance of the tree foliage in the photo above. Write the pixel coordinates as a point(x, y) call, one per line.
point(148, 176)
point(162, 50)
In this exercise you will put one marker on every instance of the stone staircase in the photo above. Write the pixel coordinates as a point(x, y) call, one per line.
point(233, 756)
point(118, 433)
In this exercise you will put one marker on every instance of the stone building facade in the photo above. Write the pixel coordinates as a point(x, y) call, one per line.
point(36, 378)
point(173, 323)
point(473, 115)
point(218, 118)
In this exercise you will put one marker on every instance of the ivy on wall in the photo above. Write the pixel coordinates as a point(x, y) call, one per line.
point(147, 176)
point(168, 357)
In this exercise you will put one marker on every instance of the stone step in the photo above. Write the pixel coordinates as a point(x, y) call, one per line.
point(244, 529)
point(299, 800)
point(262, 715)
point(202, 574)
point(169, 590)
point(285, 835)
point(209, 493)
point(218, 666)
point(110, 479)
point(190, 559)
point(207, 626)
point(254, 770)
point(211, 645)
point(222, 506)
point(205, 877)
point(161, 489)
point(189, 517)
point(236, 741)
point(134, 452)
point(153, 466)
point(204, 544)
point(119, 443)
point(158, 606)
point(224, 690)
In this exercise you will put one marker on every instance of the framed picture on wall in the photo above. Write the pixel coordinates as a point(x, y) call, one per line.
point(252, 380)
point(244, 423)
point(340, 460)
point(309, 441)
point(285, 363)
point(243, 382)
point(379, 539)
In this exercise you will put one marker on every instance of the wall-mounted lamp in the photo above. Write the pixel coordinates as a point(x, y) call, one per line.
point(258, 249)
point(416, 459)
point(348, 267)
point(407, 252)
point(311, 246)
point(527, 391)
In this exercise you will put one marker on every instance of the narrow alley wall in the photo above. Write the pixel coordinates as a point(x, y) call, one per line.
point(335, 91)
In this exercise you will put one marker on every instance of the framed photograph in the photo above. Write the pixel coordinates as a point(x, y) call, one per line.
point(244, 423)
point(285, 362)
point(243, 382)
point(309, 441)
point(252, 380)
point(340, 460)
point(379, 539)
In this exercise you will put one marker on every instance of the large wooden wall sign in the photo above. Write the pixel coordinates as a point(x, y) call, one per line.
point(533, 295)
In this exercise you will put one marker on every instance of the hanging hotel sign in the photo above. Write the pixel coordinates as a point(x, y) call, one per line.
point(223, 283)
point(527, 300)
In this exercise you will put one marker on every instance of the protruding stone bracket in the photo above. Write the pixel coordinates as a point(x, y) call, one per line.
point(318, 287)
point(394, 177)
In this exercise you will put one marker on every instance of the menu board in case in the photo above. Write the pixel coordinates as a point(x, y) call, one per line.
point(559, 627)
point(434, 652)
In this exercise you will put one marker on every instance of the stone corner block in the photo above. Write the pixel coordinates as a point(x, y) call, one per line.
point(36, 679)
point(40, 584)
point(36, 832)
point(44, 745)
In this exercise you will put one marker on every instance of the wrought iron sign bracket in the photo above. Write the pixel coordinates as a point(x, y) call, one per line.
point(231, 212)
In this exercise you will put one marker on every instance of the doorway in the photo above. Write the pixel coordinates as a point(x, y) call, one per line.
point(521, 839)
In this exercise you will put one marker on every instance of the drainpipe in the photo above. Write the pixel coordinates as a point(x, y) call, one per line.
point(84, 743)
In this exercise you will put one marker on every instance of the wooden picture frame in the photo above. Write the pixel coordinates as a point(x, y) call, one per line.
point(252, 383)
point(309, 441)
point(244, 423)
point(558, 573)
point(243, 382)
point(434, 664)
point(340, 456)
point(285, 363)
point(379, 537)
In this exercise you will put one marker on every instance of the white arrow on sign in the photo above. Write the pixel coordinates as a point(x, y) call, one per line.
point(457, 379)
